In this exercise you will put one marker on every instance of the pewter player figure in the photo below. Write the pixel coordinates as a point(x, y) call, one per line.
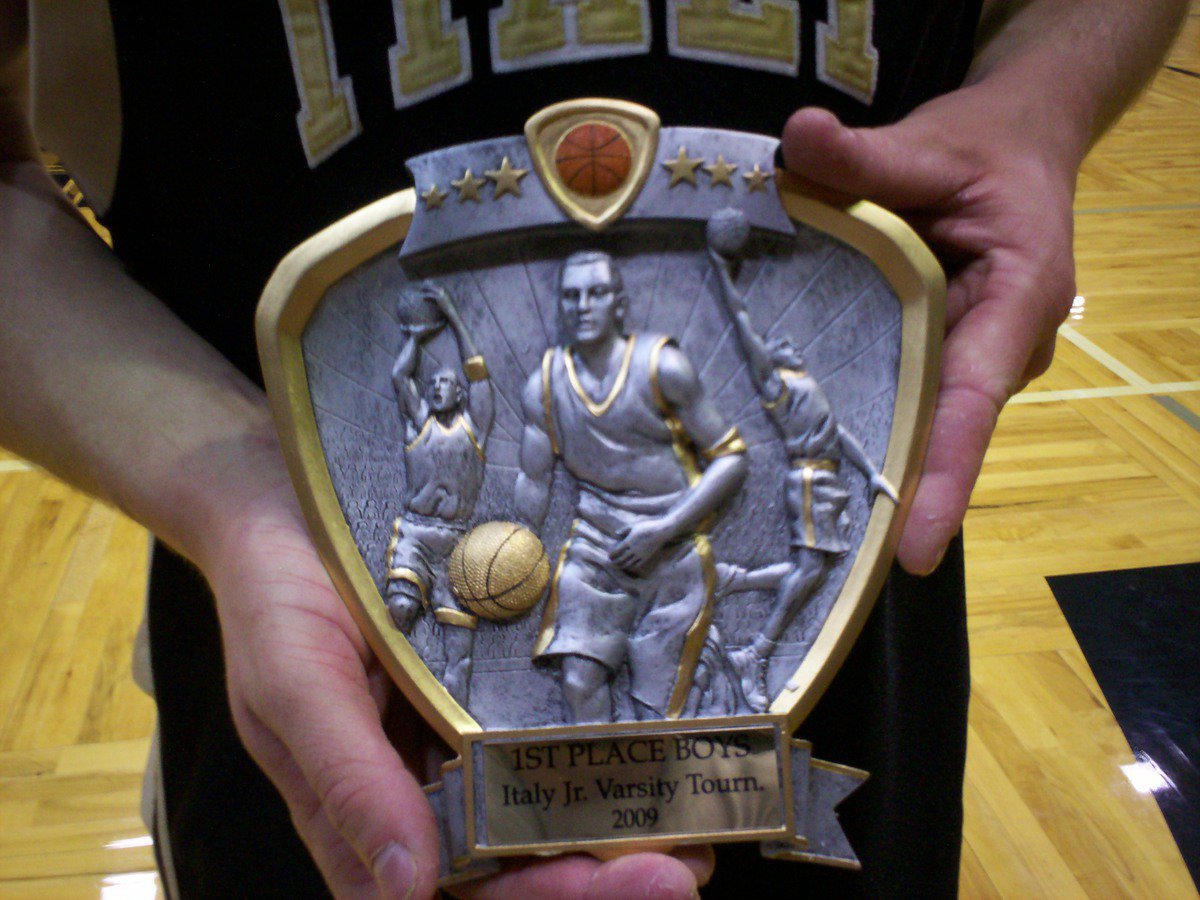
point(446, 434)
point(653, 461)
point(815, 443)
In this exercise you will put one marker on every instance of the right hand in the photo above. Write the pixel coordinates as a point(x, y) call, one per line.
point(640, 544)
point(403, 611)
point(992, 194)
point(724, 264)
point(437, 295)
point(308, 698)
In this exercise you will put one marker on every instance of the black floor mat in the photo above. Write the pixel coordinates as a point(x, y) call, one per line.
point(1140, 632)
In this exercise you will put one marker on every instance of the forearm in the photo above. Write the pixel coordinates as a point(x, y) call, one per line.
point(854, 452)
point(1065, 69)
point(752, 344)
point(532, 500)
point(408, 399)
point(103, 386)
point(466, 347)
point(757, 356)
point(720, 481)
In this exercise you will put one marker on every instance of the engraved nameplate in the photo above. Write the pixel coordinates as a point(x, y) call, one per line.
point(634, 785)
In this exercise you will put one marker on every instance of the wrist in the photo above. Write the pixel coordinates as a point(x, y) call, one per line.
point(999, 122)
point(1039, 121)
point(226, 487)
point(669, 528)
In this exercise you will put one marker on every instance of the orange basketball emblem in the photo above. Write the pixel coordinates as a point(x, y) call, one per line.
point(593, 159)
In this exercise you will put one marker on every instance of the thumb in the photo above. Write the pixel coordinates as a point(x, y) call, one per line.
point(345, 784)
point(891, 165)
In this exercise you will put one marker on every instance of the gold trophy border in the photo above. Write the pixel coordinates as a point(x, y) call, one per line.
point(302, 279)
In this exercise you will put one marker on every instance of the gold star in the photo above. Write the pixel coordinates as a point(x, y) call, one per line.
point(468, 187)
point(682, 168)
point(720, 172)
point(433, 197)
point(507, 179)
point(757, 180)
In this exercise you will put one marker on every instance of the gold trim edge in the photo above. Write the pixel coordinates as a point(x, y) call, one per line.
point(292, 293)
point(300, 281)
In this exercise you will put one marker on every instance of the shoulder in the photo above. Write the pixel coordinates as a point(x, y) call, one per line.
point(533, 393)
point(671, 372)
point(417, 430)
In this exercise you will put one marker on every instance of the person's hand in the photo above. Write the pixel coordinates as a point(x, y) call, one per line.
point(639, 544)
point(308, 699)
point(438, 296)
point(722, 263)
point(880, 485)
point(993, 197)
point(403, 611)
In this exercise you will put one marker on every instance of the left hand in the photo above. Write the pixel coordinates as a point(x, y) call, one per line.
point(992, 194)
point(318, 713)
point(640, 544)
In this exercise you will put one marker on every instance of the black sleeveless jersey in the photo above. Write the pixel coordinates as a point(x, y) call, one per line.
point(217, 180)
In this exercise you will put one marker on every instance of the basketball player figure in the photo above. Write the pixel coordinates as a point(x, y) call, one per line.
point(653, 462)
point(815, 492)
point(446, 432)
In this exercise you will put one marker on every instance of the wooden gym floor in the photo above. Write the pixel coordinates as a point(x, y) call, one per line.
point(1096, 466)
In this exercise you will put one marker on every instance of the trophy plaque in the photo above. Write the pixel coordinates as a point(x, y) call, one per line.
point(604, 432)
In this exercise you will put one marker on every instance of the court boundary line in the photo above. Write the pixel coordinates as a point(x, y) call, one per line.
point(1101, 393)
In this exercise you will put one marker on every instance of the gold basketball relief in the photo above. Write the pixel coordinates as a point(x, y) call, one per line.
point(499, 570)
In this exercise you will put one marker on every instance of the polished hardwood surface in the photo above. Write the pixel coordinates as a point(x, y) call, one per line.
point(1089, 470)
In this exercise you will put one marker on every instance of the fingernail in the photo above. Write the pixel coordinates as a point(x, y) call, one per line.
point(674, 884)
point(395, 872)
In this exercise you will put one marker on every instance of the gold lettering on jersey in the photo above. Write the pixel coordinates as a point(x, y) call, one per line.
point(762, 34)
point(527, 34)
point(613, 22)
point(846, 58)
point(328, 117)
point(527, 27)
point(432, 52)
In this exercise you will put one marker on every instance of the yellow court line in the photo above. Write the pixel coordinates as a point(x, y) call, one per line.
point(1103, 357)
point(1125, 390)
point(14, 465)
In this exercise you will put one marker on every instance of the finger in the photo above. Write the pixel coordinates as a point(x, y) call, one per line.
point(561, 877)
point(983, 360)
point(886, 164)
point(329, 723)
point(642, 875)
point(343, 871)
point(700, 860)
point(648, 875)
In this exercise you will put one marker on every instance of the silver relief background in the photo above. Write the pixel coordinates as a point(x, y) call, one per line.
point(828, 298)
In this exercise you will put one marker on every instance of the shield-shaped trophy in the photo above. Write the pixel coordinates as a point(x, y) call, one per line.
point(603, 432)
